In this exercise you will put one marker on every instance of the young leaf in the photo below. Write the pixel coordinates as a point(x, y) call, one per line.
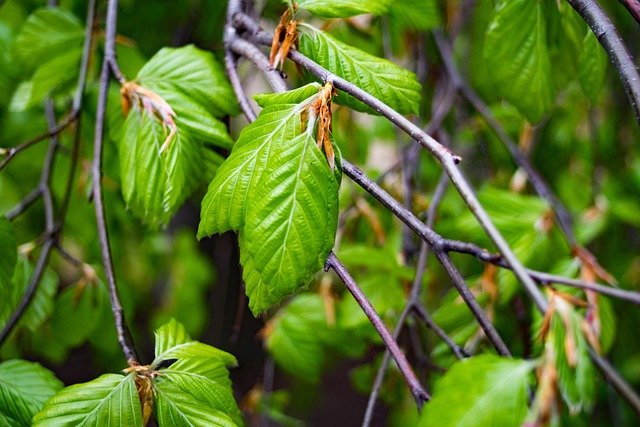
point(195, 387)
point(518, 58)
point(292, 218)
point(344, 8)
point(110, 400)
point(173, 342)
point(163, 156)
point(8, 253)
point(47, 34)
point(224, 205)
point(194, 72)
point(482, 391)
point(24, 387)
point(383, 79)
point(293, 337)
point(174, 407)
point(155, 183)
point(593, 67)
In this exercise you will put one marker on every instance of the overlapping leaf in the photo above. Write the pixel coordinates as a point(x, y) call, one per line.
point(518, 58)
point(344, 8)
point(393, 85)
point(187, 384)
point(483, 391)
point(110, 400)
point(191, 88)
point(196, 385)
point(24, 387)
point(277, 189)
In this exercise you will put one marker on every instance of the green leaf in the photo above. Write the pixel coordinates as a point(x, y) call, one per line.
point(195, 387)
point(576, 380)
point(483, 391)
point(8, 252)
point(174, 407)
point(420, 15)
point(278, 186)
point(155, 184)
point(344, 8)
point(383, 79)
point(42, 303)
point(593, 67)
point(74, 316)
point(224, 205)
point(518, 58)
point(192, 84)
point(110, 400)
point(194, 72)
point(294, 337)
point(173, 342)
point(47, 34)
point(55, 75)
point(292, 218)
point(24, 387)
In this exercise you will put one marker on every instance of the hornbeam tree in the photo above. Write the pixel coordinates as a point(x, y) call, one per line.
point(435, 204)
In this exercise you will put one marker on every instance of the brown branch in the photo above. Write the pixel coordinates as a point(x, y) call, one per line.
point(418, 392)
point(612, 43)
point(124, 336)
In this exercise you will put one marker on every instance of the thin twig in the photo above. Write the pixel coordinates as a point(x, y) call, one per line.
point(418, 392)
point(253, 54)
point(412, 303)
point(231, 65)
point(619, 55)
point(14, 151)
point(434, 240)
point(50, 232)
point(24, 204)
point(124, 336)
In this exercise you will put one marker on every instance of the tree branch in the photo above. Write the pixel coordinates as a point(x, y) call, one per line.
point(124, 336)
point(418, 392)
point(447, 159)
point(231, 65)
point(44, 190)
point(618, 53)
